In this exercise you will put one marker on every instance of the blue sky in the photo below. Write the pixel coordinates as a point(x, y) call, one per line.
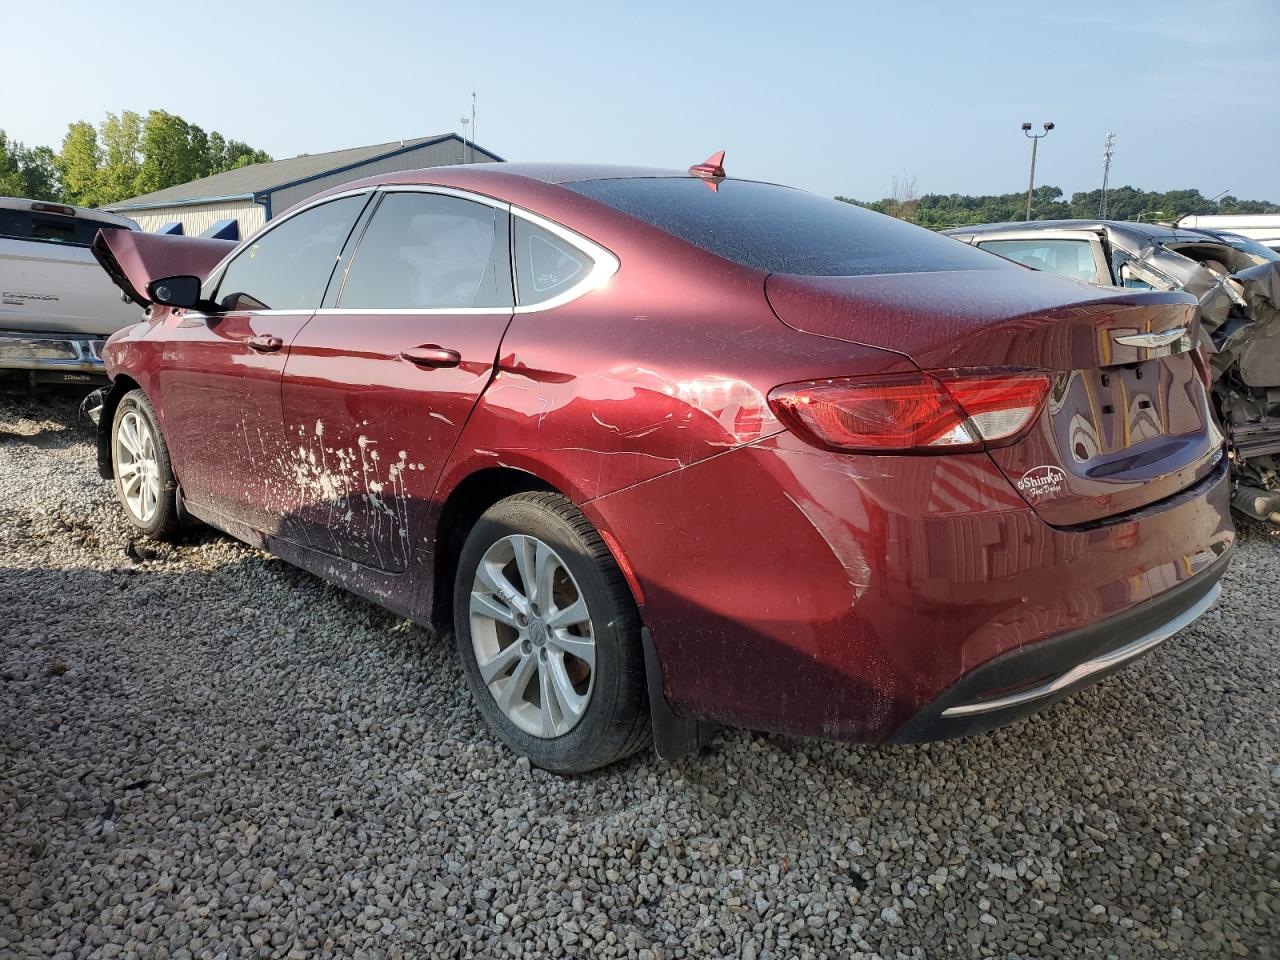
point(834, 97)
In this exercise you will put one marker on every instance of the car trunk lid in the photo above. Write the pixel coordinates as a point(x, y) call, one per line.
point(1127, 421)
point(133, 259)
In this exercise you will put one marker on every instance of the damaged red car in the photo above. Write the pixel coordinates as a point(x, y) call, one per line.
point(667, 451)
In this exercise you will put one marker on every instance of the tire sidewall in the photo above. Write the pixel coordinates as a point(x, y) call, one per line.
point(612, 628)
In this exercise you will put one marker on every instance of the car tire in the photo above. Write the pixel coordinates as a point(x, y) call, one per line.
point(596, 710)
point(144, 480)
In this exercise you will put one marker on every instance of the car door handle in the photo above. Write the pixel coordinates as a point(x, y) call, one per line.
point(264, 344)
point(430, 355)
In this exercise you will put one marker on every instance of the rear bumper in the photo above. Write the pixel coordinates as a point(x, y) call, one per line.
point(858, 598)
point(64, 356)
point(1030, 678)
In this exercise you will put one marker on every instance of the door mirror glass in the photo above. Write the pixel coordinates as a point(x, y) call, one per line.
point(180, 291)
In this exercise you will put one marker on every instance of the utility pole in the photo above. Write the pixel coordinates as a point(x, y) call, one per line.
point(474, 136)
point(1035, 142)
point(1108, 149)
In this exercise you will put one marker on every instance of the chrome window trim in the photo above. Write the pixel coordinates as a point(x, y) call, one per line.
point(604, 264)
point(1088, 668)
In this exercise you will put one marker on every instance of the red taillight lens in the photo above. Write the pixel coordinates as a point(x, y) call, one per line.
point(912, 413)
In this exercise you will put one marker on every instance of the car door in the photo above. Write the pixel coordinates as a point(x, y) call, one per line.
point(220, 379)
point(380, 382)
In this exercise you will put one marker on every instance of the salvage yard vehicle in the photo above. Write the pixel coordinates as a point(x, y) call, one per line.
point(675, 450)
point(56, 307)
point(1237, 282)
point(1261, 227)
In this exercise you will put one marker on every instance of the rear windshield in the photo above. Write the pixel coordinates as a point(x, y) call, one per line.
point(50, 227)
point(782, 230)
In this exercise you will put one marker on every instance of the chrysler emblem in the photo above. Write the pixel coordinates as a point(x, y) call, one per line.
point(1150, 340)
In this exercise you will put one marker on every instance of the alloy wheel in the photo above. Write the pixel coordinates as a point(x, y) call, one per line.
point(532, 636)
point(138, 466)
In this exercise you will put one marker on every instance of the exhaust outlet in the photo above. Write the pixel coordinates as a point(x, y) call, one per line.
point(1260, 504)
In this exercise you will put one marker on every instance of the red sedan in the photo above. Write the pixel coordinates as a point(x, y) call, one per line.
point(669, 451)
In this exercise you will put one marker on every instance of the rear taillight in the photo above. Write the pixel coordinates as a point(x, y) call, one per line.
point(944, 412)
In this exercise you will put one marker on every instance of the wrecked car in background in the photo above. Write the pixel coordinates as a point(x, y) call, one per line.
point(56, 307)
point(1237, 282)
point(657, 471)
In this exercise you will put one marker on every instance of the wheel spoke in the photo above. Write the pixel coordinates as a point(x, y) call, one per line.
point(490, 574)
point(514, 687)
point(547, 696)
point(491, 606)
point(127, 440)
point(132, 483)
point(526, 563)
point(583, 648)
point(570, 616)
point(497, 665)
point(545, 564)
point(569, 701)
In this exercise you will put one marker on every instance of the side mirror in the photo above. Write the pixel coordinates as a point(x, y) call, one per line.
point(180, 291)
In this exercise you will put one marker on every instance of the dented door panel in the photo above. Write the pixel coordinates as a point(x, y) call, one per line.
point(367, 431)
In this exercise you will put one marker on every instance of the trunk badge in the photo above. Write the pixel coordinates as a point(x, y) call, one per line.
point(1150, 340)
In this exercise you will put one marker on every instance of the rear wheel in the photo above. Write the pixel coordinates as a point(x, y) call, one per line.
point(549, 636)
point(144, 480)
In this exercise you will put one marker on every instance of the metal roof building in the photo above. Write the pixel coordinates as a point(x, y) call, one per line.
point(249, 196)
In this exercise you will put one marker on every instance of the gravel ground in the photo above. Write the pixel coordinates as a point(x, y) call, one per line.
point(207, 753)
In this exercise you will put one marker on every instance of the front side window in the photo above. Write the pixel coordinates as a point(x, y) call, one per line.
point(289, 267)
point(1067, 258)
point(546, 265)
point(430, 251)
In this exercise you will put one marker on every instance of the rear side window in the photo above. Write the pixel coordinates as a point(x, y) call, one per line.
point(546, 266)
point(50, 228)
point(289, 267)
point(781, 230)
point(1066, 258)
point(430, 251)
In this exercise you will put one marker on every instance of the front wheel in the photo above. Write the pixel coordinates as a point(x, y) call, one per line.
point(549, 636)
point(144, 480)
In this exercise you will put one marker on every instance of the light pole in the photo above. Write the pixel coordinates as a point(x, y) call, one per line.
point(464, 121)
point(1035, 142)
point(1108, 150)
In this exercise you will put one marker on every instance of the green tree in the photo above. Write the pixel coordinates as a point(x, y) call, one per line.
point(81, 164)
point(28, 172)
point(121, 156)
point(940, 211)
point(239, 154)
point(171, 152)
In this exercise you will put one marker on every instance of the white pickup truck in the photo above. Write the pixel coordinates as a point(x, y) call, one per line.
point(57, 307)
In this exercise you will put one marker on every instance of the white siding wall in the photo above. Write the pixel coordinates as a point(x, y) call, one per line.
point(199, 217)
point(430, 155)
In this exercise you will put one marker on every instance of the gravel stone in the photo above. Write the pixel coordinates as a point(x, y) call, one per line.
point(207, 753)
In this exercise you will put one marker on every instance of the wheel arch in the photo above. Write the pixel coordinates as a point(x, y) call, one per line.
point(120, 386)
point(472, 496)
point(466, 502)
